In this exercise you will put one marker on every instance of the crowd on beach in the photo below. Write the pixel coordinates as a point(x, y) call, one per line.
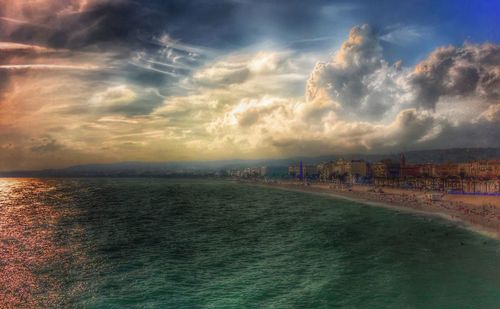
point(486, 213)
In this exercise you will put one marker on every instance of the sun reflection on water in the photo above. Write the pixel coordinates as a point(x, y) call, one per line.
point(28, 246)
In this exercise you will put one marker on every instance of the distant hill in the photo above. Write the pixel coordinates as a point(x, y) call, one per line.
point(437, 156)
point(204, 168)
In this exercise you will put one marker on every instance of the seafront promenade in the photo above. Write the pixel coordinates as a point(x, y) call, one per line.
point(480, 213)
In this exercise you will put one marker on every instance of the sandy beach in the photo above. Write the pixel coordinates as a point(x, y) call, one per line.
point(478, 213)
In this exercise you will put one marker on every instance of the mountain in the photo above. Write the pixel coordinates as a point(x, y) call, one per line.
point(205, 168)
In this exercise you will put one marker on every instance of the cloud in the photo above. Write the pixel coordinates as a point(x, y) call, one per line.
point(239, 68)
point(222, 73)
point(24, 67)
point(127, 100)
point(71, 24)
point(470, 70)
point(4, 82)
point(364, 86)
point(357, 78)
point(405, 35)
point(46, 145)
point(491, 114)
point(11, 47)
point(169, 100)
point(358, 102)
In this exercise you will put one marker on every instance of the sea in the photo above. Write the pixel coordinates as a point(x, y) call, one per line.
point(178, 243)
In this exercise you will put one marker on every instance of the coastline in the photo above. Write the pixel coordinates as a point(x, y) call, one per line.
point(484, 219)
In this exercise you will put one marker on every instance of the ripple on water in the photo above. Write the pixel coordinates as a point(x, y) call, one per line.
point(196, 244)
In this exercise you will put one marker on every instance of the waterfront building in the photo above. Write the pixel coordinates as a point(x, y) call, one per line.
point(380, 170)
point(446, 170)
point(387, 169)
point(411, 170)
point(428, 170)
point(342, 167)
point(359, 168)
point(294, 170)
point(495, 166)
point(302, 171)
point(326, 170)
point(486, 169)
point(310, 171)
point(263, 171)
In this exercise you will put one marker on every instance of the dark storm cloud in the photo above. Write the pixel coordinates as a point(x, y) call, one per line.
point(45, 145)
point(101, 23)
point(458, 71)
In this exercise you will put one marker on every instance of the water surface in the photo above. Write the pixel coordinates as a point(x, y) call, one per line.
point(155, 243)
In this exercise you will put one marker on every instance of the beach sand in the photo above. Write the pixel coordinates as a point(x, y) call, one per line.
point(478, 213)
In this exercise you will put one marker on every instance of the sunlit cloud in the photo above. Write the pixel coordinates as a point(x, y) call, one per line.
point(48, 67)
point(109, 80)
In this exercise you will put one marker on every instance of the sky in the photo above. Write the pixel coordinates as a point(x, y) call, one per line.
point(96, 81)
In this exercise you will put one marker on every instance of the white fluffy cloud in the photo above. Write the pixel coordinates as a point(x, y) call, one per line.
point(237, 69)
point(357, 101)
point(364, 86)
point(357, 78)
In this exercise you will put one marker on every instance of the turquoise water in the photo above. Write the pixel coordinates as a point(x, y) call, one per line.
point(153, 243)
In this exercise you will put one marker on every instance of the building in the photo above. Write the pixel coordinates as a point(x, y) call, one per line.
point(428, 170)
point(380, 170)
point(446, 170)
point(310, 171)
point(294, 170)
point(303, 171)
point(359, 168)
point(386, 169)
point(342, 167)
point(495, 166)
point(263, 171)
point(326, 171)
point(411, 170)
point(486, 169)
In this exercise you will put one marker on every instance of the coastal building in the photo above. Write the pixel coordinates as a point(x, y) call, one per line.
point(428, 170)
point(411, 171)
point(359, 168)
point(234, 173)
point(446, 170)
point(495, 165)
point(486, 169)
point(380, 170)
point(326, 171)
point(387, 169)
point(359, 171)
point(302, 171)
point(294, 170)
point(310, 171)
point(342, 168)
point(263, 171)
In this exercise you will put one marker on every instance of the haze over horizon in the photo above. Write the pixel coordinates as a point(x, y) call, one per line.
point(93, 81)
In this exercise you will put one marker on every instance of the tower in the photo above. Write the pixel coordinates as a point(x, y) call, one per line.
point(402, 165)
point(402, 159)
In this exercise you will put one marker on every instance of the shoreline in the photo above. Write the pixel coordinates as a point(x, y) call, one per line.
point(456, 212)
